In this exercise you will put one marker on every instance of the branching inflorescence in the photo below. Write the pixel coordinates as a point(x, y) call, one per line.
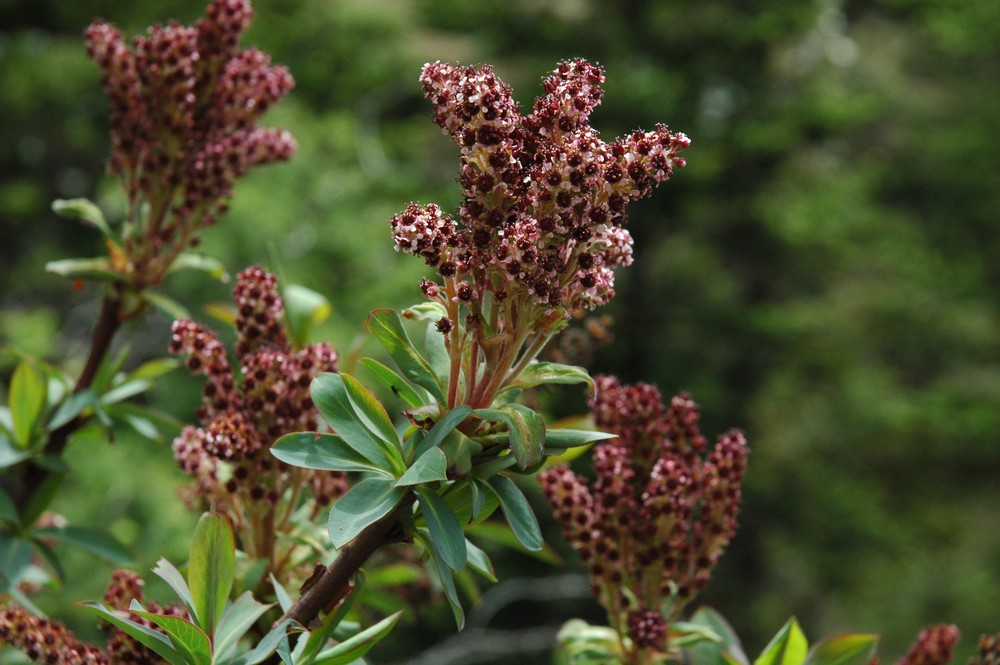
point(184, 103)
point(228, 455)
point(540, 228)
point(660, 511)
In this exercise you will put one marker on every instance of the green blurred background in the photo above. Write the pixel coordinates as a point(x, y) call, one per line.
point(824, 273)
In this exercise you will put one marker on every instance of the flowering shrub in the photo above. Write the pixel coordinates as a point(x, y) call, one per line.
point(284, 434)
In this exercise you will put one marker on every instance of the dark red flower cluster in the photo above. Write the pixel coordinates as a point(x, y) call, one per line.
point(184, 103)
point(45, 641)
point(241, 418)
point(544, 196)
point(661, 508)
point(934, 646)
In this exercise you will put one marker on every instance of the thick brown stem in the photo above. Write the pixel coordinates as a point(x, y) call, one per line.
point(33, 475)
point(349, 559)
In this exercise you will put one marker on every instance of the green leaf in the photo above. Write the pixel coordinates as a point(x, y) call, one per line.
point(234, 623)
point(425, 311)
point(469, 503)
point(51, 558)
point(304, 308)
point(98, 269)
point(479, 561)
point(71, 407)
point(190, 641)
point(325, 452)
point(9, 455)
point(542, 373)
point(94, 541)
point(387, 327)
point(571, 438)
point(728, 651)
point(443, 428)
point(85, 210)
point(848, 649)
point(154, 369)
point(8, 511)
point(517, 511)
point(206, 264)
point(394, 382)
point(460, 449)
point(788, 647)
point(26, 401)
point(211, 569)
point(267, 645)
point(167, 572)
point(443, 574)
point(353, 648)
point(437, 355)
point(329, 394)
point(170, 307)
point(15, 560)
point(153, 640)
point(363, 505)
point(525, 428)
point(372, 413)
point(125, 390)
point(429, 467)
point(493, 466)
point(446, 532)
point(284, 600)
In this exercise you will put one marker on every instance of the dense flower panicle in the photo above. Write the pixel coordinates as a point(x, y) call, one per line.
point(183, 106)
point(660, 510)
point(45, 641)
point(544, 196)
point(226, 455)
point(934, 646)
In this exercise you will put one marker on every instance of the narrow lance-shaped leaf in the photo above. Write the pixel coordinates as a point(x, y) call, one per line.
point(211, 568)
point(189, 640)
point(325, 452)
point(371, 412)
point(355, 647)
point(517, 511)
point(241, 614)
point(446, 532)
point(388, 378)
point(543, 373)
point(26, 401)
point(85, 210)
point(329, 394)
point(363, 505)
point(443, 428)
point(848, 649)
point(153, 640)
point(167, 572)
point(429, 467)
point(387, 327)
point(443, 573)
point(788, 647)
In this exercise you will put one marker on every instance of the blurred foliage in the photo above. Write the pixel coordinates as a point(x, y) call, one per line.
point(824, 273)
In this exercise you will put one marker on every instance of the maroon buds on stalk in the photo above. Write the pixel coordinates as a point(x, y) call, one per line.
point(660, 511)
point(45, 641)
point(184, 104)
point(540, 228)
point(242, 415)
point(544, 196)
point(934, 646)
